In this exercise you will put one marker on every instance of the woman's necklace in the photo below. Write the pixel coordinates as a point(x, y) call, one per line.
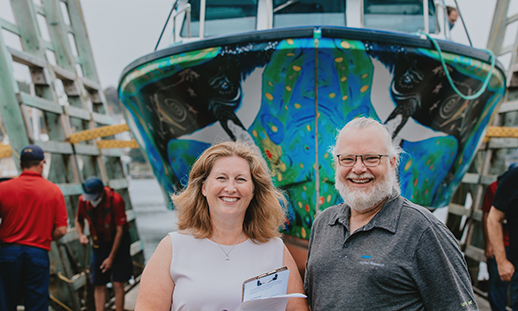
point(227, 253)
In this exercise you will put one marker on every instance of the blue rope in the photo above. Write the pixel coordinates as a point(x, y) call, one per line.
point(446, 71)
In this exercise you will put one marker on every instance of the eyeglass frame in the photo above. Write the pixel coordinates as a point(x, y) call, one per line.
point(361, 156)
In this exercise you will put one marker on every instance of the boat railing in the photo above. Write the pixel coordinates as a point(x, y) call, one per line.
point(187, 9)
point(433, 13)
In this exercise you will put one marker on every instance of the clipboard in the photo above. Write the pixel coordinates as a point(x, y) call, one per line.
point(268, 284)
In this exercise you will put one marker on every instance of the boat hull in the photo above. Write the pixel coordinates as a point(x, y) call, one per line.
point(290, 91)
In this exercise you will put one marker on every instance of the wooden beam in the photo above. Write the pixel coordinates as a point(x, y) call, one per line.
point(39, 103)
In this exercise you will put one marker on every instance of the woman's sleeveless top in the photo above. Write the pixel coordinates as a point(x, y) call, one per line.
point(204, 280)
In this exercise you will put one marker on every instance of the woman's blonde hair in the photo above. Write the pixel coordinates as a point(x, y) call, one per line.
point(263, 216)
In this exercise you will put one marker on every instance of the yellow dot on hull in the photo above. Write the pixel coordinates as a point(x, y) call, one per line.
point(288, 88)
point(364, 88)
point(268, 96)
point(345, 45)
point(408, 165)
point(297, 106)
point(343, 79)
point(339, 59)
point(297, 68)
point(290, 54)
point(345, 97)
point(274, 129)
point(332, 95)
point(289, 41)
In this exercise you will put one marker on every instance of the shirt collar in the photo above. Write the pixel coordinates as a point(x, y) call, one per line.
point(387, 218)
point(31, 173)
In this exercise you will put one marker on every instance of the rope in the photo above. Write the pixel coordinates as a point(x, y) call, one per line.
point(64, 306)
point(446, 71)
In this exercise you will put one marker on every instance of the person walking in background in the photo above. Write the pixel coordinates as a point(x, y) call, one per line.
point(377, 250)
point(453, 14)
point(228, 220)
point(111, 259)
point(497, 288)
point(505, 206)
point(33, 213)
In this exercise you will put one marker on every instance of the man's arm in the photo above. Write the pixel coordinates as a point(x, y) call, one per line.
point(107, 263)
point(488, 249)
point(80, 228)
point(496, 238)
point(59, 232)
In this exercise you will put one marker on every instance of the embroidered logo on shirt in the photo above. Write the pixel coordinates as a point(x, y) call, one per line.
point(364, 262)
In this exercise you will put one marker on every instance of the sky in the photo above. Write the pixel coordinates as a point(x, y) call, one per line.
point(122, 31)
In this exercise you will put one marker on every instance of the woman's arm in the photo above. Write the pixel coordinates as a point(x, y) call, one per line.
point(156, 286)
point(294, 284)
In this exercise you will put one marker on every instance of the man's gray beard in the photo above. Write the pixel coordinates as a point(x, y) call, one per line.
point(361, 200)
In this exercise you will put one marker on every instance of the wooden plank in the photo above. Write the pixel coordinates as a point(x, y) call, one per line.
point(111, 152)
point(39, 103)
point(136, 247)
point(55, 146)
point(27, 59)
point(76, 112)
point(499, 143)
point(470, 178)
point(89, 84)
point(91, 150)
point(71, 189)
point(475, 253)
point(7, 25)
point(477, 215)
point(116, 184)
point(131, 215)
point(102, 118)
point(64, 74)
point(487, 179)
point(508, 106)
point(458, 210)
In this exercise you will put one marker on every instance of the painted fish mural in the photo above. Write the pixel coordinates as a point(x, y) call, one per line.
point(290, 92)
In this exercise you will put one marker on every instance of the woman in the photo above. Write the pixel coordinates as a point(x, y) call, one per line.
point(228, 221)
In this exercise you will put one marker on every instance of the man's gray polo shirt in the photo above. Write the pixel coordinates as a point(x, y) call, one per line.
point(403, 259)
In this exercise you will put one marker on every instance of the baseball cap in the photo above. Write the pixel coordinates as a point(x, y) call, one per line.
point(91, 188)
point(513, 165)
point(31, 153)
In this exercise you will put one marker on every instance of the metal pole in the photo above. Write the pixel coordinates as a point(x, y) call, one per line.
point(426, 21)
point(463, 24)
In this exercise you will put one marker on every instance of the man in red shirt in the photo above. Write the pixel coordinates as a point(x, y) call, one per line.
point(33, 213)
point(106, 214)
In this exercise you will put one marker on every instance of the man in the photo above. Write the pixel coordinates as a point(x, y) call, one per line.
point(497, 294)
point(105, 211)
point(33, 213)
point(453, 14)
point(377, 250)
point(505, 206)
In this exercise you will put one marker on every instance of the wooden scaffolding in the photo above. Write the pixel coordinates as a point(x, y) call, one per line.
point(62, 99)
point(499, 149)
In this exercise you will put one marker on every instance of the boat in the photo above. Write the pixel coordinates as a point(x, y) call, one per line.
point(285, 75)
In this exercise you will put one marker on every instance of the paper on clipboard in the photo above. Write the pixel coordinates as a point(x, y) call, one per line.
point(269, 284)
point(276, 303)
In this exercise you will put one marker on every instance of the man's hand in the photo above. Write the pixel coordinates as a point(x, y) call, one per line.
point(505, 270)
point(83, 239)
point(107, 264)
point(489, 251)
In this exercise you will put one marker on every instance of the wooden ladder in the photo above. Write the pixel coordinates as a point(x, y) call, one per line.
point(62, 97)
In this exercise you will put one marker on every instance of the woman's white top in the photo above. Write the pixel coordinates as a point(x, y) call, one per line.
point(204, 280)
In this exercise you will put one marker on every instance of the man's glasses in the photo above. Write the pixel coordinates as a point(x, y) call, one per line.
point(369, 160)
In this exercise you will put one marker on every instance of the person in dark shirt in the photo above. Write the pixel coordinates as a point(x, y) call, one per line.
point(505, 206)
point(106, 214)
